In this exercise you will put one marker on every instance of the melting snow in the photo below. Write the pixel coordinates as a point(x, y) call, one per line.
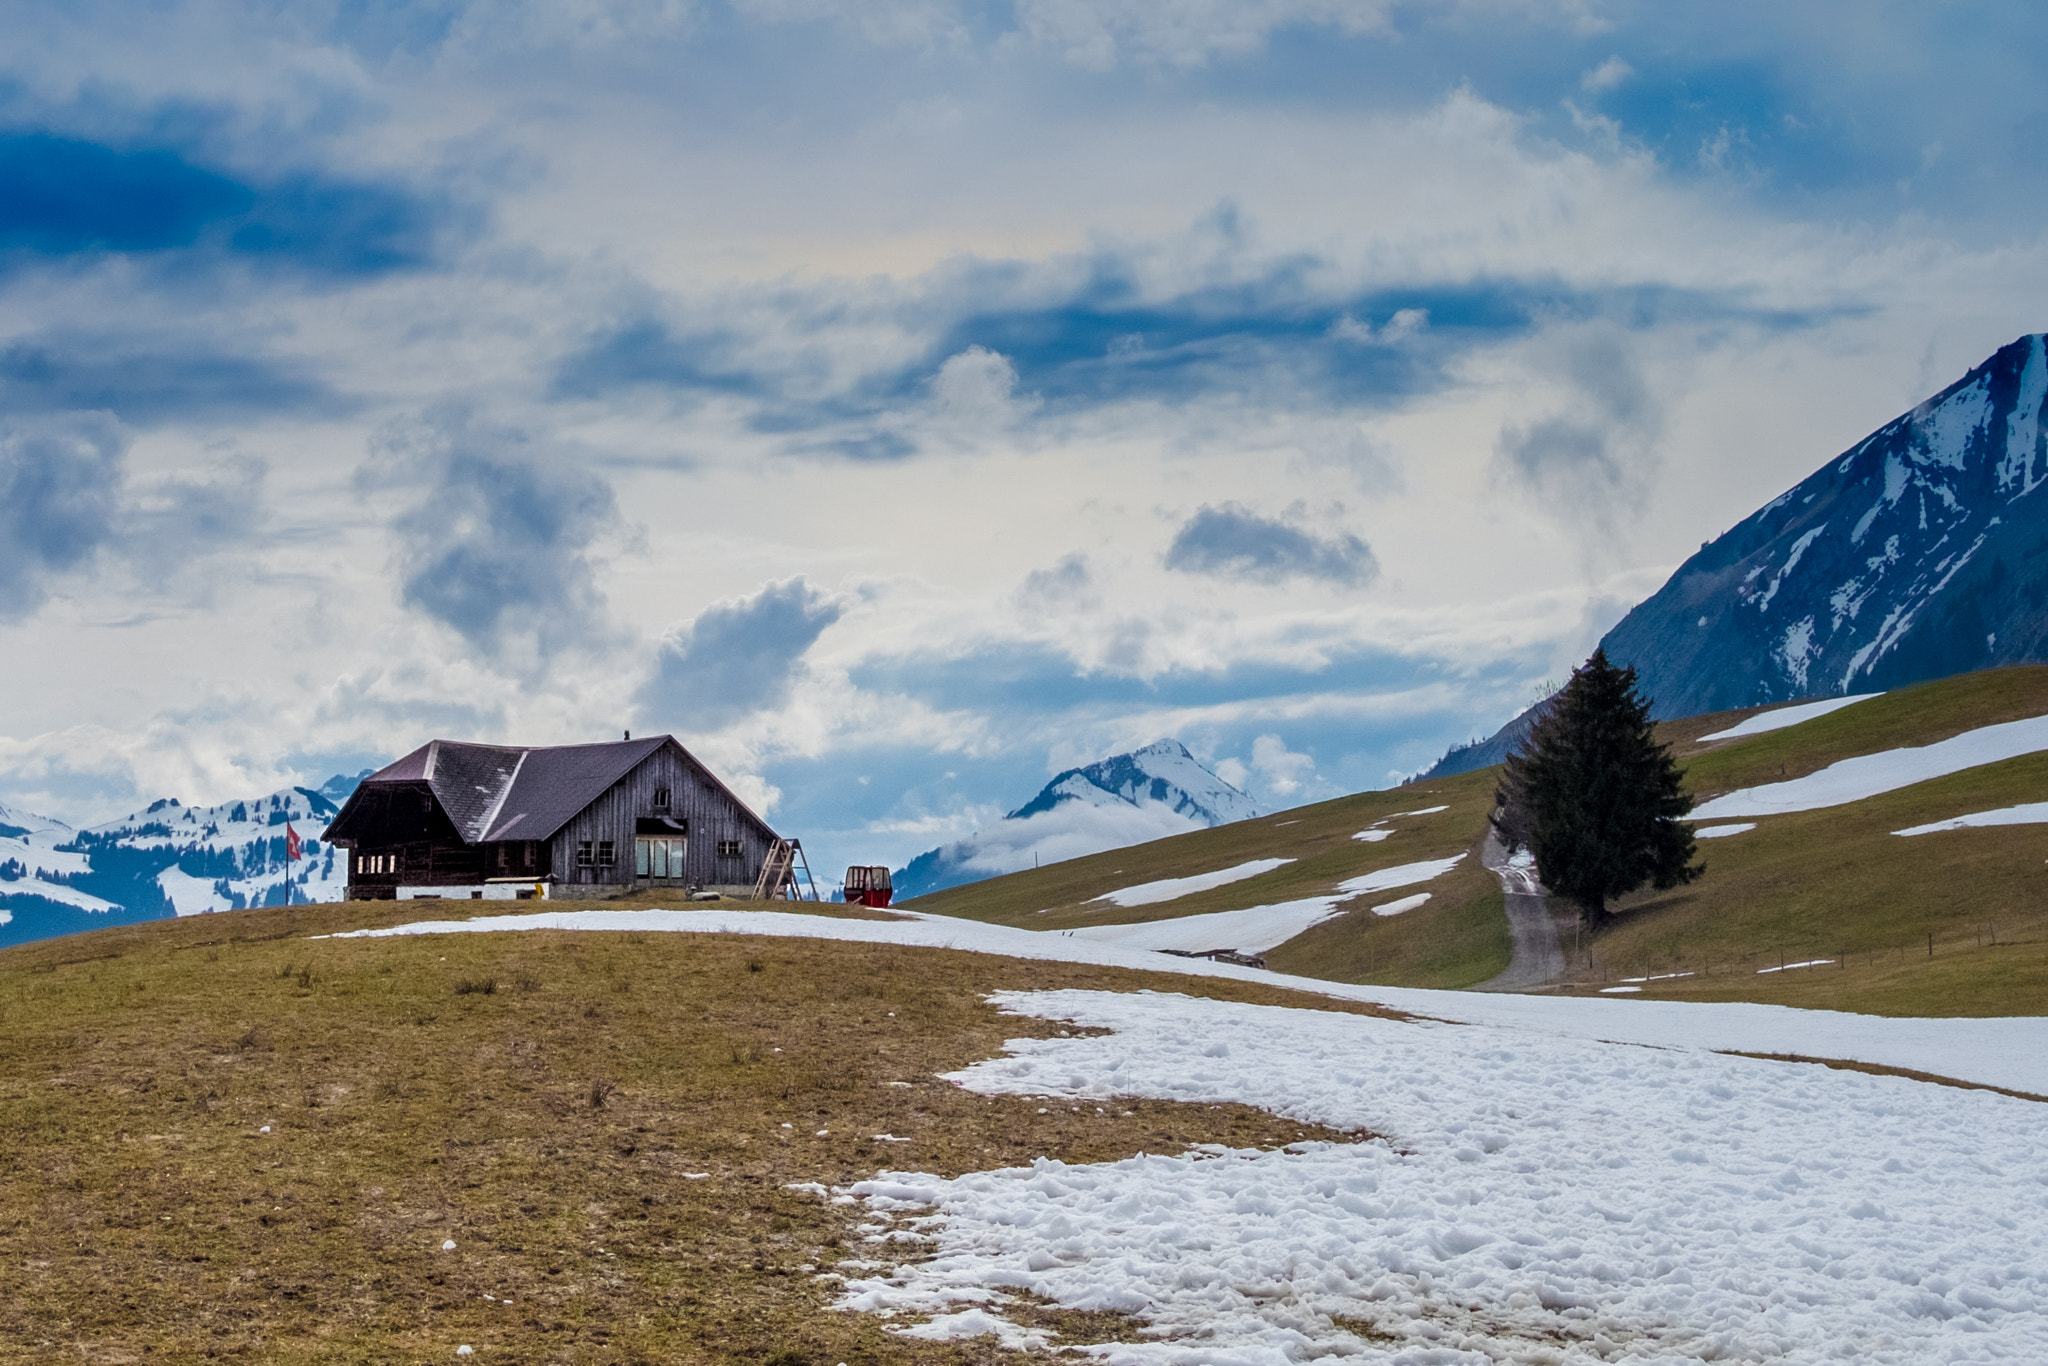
point(1173, 888)
point(1536, 1199)
point(1867, 775)
point(1406, 903)
point(1787, 716)
point(1715, 832)
point(2032, 813)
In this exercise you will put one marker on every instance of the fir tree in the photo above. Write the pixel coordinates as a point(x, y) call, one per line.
point(1595, 797)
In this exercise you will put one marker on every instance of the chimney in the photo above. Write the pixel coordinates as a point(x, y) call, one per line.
point(629, 735)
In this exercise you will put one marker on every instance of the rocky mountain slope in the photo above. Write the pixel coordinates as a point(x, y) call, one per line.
point(1147, 794)
point(166, 860)
point(1918, 553)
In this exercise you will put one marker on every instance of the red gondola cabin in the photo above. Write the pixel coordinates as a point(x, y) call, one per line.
point(868, 887)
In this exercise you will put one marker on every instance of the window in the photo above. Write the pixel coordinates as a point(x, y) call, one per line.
point(504, 857)
point(583, 859)
point(729, 849)
point(661, 799)
point(604, 854)
point(659, 856)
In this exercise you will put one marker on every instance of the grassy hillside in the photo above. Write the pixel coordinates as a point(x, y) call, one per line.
point(225, 1142)
point(1825, 884)
point(1457, 939)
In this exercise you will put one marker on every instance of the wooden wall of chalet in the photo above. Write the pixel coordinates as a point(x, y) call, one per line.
point(403, 822)
point(713, 816)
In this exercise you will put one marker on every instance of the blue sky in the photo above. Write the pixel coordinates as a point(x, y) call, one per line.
point(903, 402)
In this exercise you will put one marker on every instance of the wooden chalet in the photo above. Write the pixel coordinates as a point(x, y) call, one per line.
point(457, 819)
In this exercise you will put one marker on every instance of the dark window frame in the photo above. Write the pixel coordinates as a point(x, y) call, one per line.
point(607, 854)
point(731, 849)
point(661, 799)
point(584, 853)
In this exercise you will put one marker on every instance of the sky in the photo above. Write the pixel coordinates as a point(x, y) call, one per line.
point(903, 402)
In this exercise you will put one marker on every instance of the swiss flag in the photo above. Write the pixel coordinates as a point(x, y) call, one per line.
point(291, 843)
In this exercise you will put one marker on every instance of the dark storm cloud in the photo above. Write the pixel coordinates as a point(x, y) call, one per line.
point(1234, 542)
point(67, 197)
point(60, 484)
point(496, 544)
point(737, 657)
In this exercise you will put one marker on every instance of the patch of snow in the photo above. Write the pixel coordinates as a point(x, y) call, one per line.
point(1406, 903)
point(1425, 811)
point(1174, 888)
point(1373, 836)
point(1535, 1199)
point(1868, 775)
point(1618, 991)
point(2031, 813)
point(1791, 563)
point(1715, 832)
point(1782, 717)
point(1787, 967)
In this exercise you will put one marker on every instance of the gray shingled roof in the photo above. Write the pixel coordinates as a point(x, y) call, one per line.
point(498, 792)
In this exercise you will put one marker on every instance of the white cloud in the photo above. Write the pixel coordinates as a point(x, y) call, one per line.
point(1609, 75)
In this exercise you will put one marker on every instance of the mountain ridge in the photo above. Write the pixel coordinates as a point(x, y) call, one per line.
point(1158, 790)
point(1921, 552)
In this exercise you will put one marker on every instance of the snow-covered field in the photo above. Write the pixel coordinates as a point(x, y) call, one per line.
point(1554, 1180)
point(1867, 775)
point(1533, 1199)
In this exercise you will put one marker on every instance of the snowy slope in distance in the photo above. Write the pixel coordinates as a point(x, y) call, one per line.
point(167, 859)
point(1126, 799)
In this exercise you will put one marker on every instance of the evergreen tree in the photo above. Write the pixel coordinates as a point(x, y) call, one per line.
point(1595, 797)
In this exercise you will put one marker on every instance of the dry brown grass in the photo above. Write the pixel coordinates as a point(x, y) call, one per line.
point(549, 1128)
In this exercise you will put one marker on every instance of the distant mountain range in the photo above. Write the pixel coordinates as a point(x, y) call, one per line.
point(1920, 552)
point(166, 860)
point(1147, 794)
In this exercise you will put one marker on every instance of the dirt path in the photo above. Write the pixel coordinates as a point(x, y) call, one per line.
point(1537, 956)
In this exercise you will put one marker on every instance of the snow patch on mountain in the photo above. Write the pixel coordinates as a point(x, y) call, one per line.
point(167, 859)
point(1126, 799)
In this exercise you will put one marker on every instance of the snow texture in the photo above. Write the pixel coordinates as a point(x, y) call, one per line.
point(1406, 903)
point(1715, 832)
point(1258, 928)
point(1787, 716)
point(2031, 813)
point(1867, 775)
point(2010, 1052)
point(1174, 888)
point(1529, 1199)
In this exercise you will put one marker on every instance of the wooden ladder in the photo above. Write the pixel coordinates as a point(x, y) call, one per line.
point(774, 871)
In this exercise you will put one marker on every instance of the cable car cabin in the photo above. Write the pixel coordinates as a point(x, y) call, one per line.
point(498, 822)
point(868, 887)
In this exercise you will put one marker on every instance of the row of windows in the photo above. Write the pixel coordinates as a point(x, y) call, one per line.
point(589, 854)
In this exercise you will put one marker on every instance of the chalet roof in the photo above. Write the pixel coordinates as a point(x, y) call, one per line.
point(501, 792)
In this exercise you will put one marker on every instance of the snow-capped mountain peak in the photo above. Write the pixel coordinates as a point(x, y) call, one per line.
point(1162, 773)
point(1147, 794)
